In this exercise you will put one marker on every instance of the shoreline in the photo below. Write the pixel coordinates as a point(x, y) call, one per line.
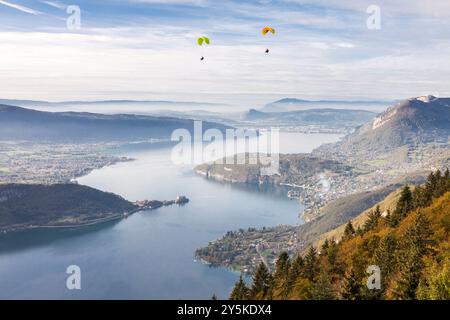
point(147, 206)
point(28, 227)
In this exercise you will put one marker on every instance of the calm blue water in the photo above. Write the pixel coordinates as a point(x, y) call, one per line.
point(151, 254)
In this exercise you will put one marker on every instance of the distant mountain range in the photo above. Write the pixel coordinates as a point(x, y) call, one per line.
point(292, 104)
point(410, 122)
point(327, 117)
point(38, 103)
point(18, 123)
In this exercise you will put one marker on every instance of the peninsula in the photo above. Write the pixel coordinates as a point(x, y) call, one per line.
point(25, 207)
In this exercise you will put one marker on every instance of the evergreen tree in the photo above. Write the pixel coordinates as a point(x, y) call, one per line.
point(311, 264)
point(281, 276)
point(403, 207)
point(322, 289)
point(282, 266)
point(349, 231)
point(325, 246)
point(447, 180)
point(372, 219)
point(430, 187)
point(414, 247)
point(240, 290)
point(351, 289)
point(359, 232)
point(377, 211)
point(437, 190)
point(262, 281)
point(332, 257)
point(214, 297)
point(384, 257)
point(442, 183)
point(387, 218)
point(295, 271)
point(420, 197)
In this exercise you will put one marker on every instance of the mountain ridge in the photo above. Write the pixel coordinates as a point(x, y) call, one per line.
point(17, 123)
point(294, 104)
point(412, 121)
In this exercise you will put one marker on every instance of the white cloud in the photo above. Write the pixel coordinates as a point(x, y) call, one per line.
point(312, 56)
point(136, 63)
point(423, 8)
point(189, 2)
point(55, 4)
point(20, 7)
point(346, 45)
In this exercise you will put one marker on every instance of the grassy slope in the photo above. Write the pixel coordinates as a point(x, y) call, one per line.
point(386, 204)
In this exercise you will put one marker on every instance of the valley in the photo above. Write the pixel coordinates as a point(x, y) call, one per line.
point(400, 146)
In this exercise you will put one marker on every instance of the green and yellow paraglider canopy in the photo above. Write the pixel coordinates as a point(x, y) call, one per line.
point(266, 30)
point(202, 40)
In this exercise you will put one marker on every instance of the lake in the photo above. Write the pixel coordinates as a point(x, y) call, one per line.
point(149, 255)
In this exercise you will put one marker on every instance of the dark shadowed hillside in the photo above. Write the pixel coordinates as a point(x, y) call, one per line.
point(25, 124)
point(27, 206)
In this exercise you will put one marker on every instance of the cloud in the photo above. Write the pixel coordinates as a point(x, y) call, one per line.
point(434, 8)
point(55, 4)
point(346, 45)
point(151, 53)
point(20, 7)
point(173, 2)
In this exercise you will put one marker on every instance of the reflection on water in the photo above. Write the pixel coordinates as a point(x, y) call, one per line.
point(11, 242)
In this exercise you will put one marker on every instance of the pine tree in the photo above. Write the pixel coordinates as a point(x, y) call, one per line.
point(332, 257)
point(322, 289)
point(282, 266)
point(414, 247)
point(403, 207)
point(384, 257)
point(447, 179)
point(351, 289)
point(359, 232)
point(240, 290)
point(420, 197)
point(295, 271)
point(372, 219)
point(325, 246)
point(349, 231)
point(311, 265)
point(281, 276)
point(262, 281)
point(442, 183)
point(438, 191)
point(388, 218)
point(214, 297)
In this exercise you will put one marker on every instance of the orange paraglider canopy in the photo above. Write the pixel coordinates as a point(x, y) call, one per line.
point(266, 30)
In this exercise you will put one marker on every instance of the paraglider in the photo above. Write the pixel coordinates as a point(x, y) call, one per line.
point(265, 31)
point(203, 40)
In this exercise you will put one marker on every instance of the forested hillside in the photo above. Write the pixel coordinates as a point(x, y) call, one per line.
point(410, 245)
point(26, 206)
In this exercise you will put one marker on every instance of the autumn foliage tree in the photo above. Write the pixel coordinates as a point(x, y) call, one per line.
point(410, 246)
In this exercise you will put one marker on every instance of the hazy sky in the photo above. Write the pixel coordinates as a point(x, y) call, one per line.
point(146, 49)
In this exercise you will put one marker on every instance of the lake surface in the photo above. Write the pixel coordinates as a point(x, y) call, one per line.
point(150, 255)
